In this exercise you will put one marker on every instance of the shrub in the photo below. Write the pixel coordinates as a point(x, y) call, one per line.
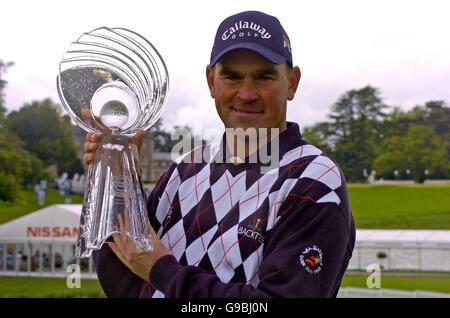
point(9, 190)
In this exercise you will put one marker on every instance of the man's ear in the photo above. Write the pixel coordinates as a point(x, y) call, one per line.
point(294, 79)
point(210, 80)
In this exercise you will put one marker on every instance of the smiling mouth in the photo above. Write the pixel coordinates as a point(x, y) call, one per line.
point(246, 111)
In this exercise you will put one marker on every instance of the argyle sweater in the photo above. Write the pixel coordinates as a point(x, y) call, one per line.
point(234, 231)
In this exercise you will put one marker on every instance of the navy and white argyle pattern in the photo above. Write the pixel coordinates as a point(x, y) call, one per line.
point(217, 215)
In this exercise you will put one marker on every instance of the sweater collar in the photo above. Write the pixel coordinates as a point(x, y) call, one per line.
point(287, 140)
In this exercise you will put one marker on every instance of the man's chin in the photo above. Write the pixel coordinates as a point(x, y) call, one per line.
point(246, 125)
point(259, 128)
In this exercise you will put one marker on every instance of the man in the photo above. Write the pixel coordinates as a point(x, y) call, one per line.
point(224, 227)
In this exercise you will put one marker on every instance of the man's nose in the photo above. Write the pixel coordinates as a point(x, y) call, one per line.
point(247, 92)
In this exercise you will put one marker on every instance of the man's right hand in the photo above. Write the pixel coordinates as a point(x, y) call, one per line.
point(93, 140)
point(90, 147)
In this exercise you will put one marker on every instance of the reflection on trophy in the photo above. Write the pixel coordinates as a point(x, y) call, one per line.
point(113, 82)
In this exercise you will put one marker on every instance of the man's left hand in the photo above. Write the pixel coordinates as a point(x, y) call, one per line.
point(138, 261)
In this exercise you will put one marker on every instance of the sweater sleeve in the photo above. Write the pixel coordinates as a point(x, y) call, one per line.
point(306, 255)
point(114, 277)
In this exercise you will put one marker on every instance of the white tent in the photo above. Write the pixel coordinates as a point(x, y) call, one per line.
point(41, 243)
point(54, 230)
point(55, 223)
point(402, 249)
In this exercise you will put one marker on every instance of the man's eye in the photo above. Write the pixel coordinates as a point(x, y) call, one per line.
point(264, 78)
point(232, 77)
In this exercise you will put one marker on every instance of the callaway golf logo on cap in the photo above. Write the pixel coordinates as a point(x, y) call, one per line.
point(255, 31)
point(243, 25)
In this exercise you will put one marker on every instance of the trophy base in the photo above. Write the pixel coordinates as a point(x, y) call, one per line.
point(114, 200)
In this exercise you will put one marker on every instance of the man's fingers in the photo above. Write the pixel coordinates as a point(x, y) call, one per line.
point(139, 137)
point(127, 222)
point(120, 220)
point(138, 140)
point(86, 113)
point(153, 234)
point(124, 239)
point(92, 137)
point(119, 240)
point(118, 253)
point(88, 158)
point(90, 146)
point(89, 152)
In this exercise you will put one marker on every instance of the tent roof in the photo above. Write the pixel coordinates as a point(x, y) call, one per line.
point(413, 238)
point(57, 222)
point(60, 223)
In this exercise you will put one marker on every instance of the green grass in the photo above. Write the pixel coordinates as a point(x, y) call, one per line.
point(436, 284)
point(28, 203)
point(373, 206)
point(26, 287)
point(400, 206)
point(415, 206)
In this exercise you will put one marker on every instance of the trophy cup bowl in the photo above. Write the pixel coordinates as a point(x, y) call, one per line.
point(112, 81)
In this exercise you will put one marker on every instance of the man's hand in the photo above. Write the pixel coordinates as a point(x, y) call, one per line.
point(93, 140)
point(139, 262)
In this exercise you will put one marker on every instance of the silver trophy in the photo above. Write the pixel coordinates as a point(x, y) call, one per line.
point(114, 82)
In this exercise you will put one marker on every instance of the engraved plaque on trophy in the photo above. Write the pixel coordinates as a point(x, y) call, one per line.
point(114, 82)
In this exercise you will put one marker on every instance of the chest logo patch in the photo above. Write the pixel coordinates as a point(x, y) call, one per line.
point(253, 232)
point(312, 259)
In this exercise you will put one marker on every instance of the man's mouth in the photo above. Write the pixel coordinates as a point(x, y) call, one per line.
point(246, 111)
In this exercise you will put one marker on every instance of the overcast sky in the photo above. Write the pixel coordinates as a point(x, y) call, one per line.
point(400, 47)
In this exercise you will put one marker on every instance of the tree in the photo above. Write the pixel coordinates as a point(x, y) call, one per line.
point(419, 151)
point(355, 130)
point(3, 68)
point(46, 134)
point(18, 168)
point(26, 168)
point(163, 139)
point(437, 115)
point(361, 136)
point(356, 109)
point(317, 135)
point(434, 114)
point(397, 122)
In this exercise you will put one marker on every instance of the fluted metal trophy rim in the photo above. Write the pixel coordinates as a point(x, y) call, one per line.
point(123, 68)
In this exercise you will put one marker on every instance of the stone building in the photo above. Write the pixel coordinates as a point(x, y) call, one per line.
point(153, 163)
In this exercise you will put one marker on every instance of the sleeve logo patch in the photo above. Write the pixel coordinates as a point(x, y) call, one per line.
point(311, 259)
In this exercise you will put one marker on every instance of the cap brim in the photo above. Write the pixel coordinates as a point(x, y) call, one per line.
point(262, 50)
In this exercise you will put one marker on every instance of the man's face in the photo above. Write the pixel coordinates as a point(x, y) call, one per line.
point(250, 91)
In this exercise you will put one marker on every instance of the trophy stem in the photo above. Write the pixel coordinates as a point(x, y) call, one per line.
point(114, 200)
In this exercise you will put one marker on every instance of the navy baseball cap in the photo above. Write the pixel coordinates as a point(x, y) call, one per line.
point(255, 31)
